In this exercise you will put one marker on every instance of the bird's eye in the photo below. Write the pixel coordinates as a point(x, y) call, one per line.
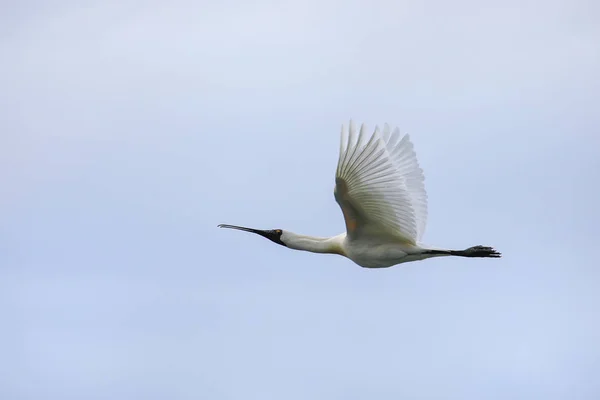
point(278, 231)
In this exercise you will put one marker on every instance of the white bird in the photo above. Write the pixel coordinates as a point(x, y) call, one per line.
point(380, 188)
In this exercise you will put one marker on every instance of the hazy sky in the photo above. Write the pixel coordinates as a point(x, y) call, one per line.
point(129, 131)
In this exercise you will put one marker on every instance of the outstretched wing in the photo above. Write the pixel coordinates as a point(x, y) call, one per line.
point(380, 186)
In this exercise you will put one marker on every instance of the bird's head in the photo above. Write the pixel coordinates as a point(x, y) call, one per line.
point(275, 235)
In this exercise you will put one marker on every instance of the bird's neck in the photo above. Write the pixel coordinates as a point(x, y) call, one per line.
point(330, 245)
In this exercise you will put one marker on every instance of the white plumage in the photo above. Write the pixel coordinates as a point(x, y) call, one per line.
point(380, 189)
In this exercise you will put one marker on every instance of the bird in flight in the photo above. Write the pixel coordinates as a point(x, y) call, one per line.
point(379, 187)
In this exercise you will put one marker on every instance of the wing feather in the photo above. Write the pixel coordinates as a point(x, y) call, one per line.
point(379, 184)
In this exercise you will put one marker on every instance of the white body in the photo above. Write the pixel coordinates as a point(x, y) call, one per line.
point(366, 252)
point(375, 254)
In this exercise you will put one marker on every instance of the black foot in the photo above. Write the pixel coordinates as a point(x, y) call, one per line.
point(480, 251)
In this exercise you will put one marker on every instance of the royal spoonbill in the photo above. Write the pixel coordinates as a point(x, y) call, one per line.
point(379, 187)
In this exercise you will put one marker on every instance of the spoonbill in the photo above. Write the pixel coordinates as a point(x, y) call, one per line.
point(379, 187)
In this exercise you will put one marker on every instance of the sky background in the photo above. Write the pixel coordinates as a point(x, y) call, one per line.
point(128, 131)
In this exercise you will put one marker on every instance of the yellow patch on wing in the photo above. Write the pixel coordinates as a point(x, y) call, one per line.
point(350, 222)
point(341, 192)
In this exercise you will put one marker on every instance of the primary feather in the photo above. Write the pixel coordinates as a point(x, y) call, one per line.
point(379, 185)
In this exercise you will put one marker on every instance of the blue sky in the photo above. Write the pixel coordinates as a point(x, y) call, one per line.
point(129, 132)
